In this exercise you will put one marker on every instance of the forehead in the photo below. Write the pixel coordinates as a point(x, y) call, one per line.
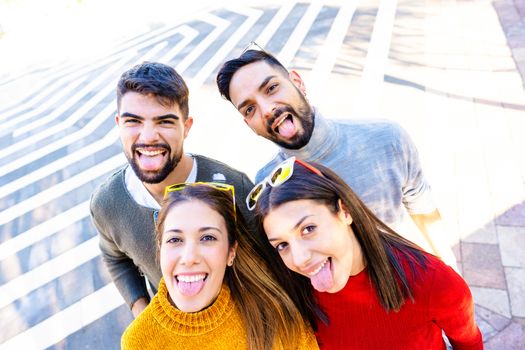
point(145, 104)
point(286, 216)
point(192, 215)
point(248, 79)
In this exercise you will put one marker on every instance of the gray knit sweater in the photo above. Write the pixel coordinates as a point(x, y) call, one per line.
point(127, 230)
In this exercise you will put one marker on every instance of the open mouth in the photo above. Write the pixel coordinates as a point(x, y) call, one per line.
point(190, 285)
point(151, 158)
point(285, 126)
point(322, 277)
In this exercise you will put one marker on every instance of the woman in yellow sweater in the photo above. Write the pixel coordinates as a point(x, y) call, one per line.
point(216, 292)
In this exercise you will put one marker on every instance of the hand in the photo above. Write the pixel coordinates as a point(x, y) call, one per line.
point(138, 306)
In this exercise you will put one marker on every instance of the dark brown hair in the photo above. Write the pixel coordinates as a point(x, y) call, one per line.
point(381, 246)
point(158, 79)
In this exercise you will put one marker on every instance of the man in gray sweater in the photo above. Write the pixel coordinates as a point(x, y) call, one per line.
point(153, 121)
point(377, 159)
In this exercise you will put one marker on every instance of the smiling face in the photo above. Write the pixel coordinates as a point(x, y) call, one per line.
point(152, 135)
point(273, 104)
point(194, 253)
point(315, 242)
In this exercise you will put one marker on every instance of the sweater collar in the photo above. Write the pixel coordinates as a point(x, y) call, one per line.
point(324, 140)
point(192, 323)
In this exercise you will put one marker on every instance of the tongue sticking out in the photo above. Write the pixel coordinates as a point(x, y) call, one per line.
point(189, 289)
point(323, 280)
point(151, 162)
point(287, 128)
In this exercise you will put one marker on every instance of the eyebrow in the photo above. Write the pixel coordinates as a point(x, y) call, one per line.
point(157, 118)
point(261, 86)
point(293, 229)
point(202, 229)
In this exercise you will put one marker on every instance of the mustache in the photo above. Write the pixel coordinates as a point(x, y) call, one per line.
point(155, 145)
point(279, 111)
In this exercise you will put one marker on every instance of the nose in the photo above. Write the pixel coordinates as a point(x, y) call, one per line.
point(301, 255)
point(190, 254)
point(267, 108)
point(149, 133)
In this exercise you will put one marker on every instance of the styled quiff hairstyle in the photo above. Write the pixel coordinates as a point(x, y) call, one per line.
point(159, 80)
point(229, 68)
point(270, 316)
point(381, 246)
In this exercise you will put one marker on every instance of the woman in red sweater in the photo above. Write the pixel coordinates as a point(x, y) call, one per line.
point(371, 288)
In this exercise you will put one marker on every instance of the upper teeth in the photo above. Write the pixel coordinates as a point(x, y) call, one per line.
point(280, 122)
point(150, 153)
point(316, 271)
point(191, 278)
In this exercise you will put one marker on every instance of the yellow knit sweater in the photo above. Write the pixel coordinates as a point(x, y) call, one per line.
point(218, 327)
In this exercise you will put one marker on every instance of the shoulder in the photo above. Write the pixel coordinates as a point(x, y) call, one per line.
point(140, 331)
point(214, 170)
point(106, 192)
point(269, 166)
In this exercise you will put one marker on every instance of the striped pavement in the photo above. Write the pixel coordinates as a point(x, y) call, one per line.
point(58, 141)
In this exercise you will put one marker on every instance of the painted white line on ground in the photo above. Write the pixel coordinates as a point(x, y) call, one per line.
point(66, 140)
point(57, 112)
point(271, 28)
point(188, 35)
point(44, 230)
point(328, 53)
point(67, 321)
point(300, 32)
point(220, 25)
point(219, 56)
point(59, 163)
point(130, 50)
point(48, 271)
point(376, 60)
point(62, 188)
point(92, 86)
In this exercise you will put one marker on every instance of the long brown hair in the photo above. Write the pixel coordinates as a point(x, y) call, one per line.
point(271, 318)
point(382, 247)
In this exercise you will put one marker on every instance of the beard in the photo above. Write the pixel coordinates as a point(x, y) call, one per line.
point(157, 176)
point(304, 115)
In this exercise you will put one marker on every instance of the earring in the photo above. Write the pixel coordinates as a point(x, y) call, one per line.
point(230, 263)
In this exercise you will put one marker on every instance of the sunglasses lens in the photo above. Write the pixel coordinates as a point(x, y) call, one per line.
point(254, 195)
point(280, 175)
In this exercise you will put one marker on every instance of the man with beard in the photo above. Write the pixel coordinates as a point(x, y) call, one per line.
point(376, 158)
point(153, 121)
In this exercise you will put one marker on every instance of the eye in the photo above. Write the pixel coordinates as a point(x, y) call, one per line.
point(272, 88)
point(281, 246)
point(208, 238)
point(308, 229)
point(131, 121)
point(249, 111)
point(173, 240)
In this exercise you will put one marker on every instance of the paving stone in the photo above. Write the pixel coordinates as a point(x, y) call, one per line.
point(516, 288)
point(482, 265)
point(495, 300)
point(495, 320)
point(511, 338)
point(512, 245)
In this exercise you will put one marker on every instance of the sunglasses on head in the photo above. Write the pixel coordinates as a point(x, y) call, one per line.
point(217, 185)
point(279, 175)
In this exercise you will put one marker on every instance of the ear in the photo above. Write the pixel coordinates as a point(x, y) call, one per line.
point(296, 79)
point(231, 254)
point(343, 212)
point(117, 119)
point(187, 125)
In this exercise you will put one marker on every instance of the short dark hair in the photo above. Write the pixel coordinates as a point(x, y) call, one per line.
point(157, 79)
point(229, 68)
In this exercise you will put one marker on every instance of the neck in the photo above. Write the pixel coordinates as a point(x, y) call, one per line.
point(179, 174)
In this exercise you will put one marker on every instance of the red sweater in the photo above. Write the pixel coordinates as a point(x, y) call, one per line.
point(442, 301)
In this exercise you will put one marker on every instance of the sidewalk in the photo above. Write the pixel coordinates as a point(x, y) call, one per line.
point(468, 82)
